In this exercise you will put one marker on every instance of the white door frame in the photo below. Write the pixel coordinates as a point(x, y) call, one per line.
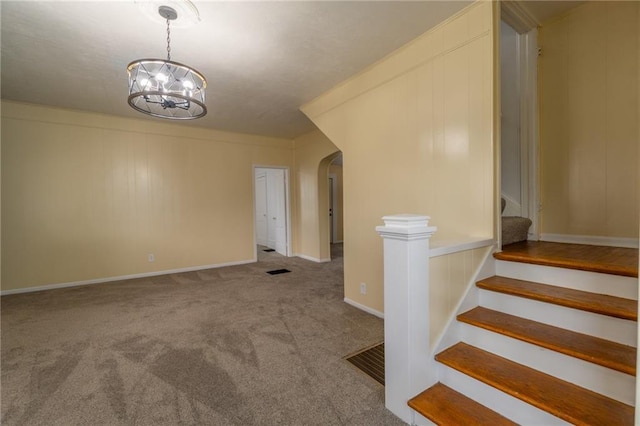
point(526, 27)
point(287, 207)
point(260, 198)
point(333, 202)
point(529, 128)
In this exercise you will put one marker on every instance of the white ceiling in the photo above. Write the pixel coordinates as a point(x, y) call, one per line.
point(262, 60)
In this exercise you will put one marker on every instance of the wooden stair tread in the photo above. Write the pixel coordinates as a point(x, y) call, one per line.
point(567, 401)
point(608, 260)
point(444, 406)
point(588, 348)
point(597, 303)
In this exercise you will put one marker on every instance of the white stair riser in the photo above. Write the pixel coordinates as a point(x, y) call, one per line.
point(605, 381)
point(613, 285)
point(450, 338)
point(420, 420)
point(609, 328)
point(508, 406)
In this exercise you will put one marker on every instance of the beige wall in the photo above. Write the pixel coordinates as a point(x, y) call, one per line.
point(588, 87)
point(336, 170)
point(88, 196)
point(417, 131)
point(313, 153)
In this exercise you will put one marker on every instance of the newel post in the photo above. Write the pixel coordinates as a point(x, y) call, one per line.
point(406, 313)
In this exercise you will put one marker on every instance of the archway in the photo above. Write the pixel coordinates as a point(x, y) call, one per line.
point(326, 208)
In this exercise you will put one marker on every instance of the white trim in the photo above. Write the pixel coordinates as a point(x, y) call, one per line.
point(637, 402)
point(590, 240)
point(523, 124)
point(124, 277)
point(334, 204)
point(527, 57)
point(406, 227)
point(406, 324)
point(529, 127)
point(312, 259)
point(440, 248)
point(257, 174)
point(517, 16)
point(364, 308)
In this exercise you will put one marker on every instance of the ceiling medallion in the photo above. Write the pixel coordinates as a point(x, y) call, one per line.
point(166, 89)
point(188, 14)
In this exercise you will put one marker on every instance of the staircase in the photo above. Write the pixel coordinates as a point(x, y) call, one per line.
point(547, 345)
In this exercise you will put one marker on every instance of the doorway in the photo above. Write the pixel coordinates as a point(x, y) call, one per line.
point(271, 203)
point(333, 210)
point(335, 186)
point(518, 124)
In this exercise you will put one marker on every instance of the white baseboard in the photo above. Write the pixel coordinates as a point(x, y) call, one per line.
point(590, 240)
point(364, 308)
point(122, 277)
point(312, 259)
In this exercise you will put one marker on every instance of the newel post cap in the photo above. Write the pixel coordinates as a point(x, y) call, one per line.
point(406, 226)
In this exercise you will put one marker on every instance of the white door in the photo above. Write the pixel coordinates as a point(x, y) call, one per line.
point(279, 217)
point(272, 203)
point(261, 208)
point(271, 209)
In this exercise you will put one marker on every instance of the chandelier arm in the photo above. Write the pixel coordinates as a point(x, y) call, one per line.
point(176, 104)
point(149, 101)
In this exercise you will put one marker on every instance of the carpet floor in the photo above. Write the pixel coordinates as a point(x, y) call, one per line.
point(227, 346)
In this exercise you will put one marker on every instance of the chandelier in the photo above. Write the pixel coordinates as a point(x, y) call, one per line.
point(166, 89)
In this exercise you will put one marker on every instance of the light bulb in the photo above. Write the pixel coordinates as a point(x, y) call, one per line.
point(161, 77)
point(143, 83)
point(187, 84)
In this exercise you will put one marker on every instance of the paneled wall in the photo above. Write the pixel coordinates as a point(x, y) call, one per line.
point(417, 132)
point(88, 196)
point(588, 85)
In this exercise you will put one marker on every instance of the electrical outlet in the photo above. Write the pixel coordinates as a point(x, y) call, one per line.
point(363, 288)
point(151, 257)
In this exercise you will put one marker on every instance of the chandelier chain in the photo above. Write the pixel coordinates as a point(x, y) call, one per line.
point(168, 41)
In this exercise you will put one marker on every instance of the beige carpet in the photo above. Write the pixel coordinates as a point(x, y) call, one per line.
point(228, 346)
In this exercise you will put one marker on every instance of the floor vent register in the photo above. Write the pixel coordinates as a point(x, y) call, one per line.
point(370, 361)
